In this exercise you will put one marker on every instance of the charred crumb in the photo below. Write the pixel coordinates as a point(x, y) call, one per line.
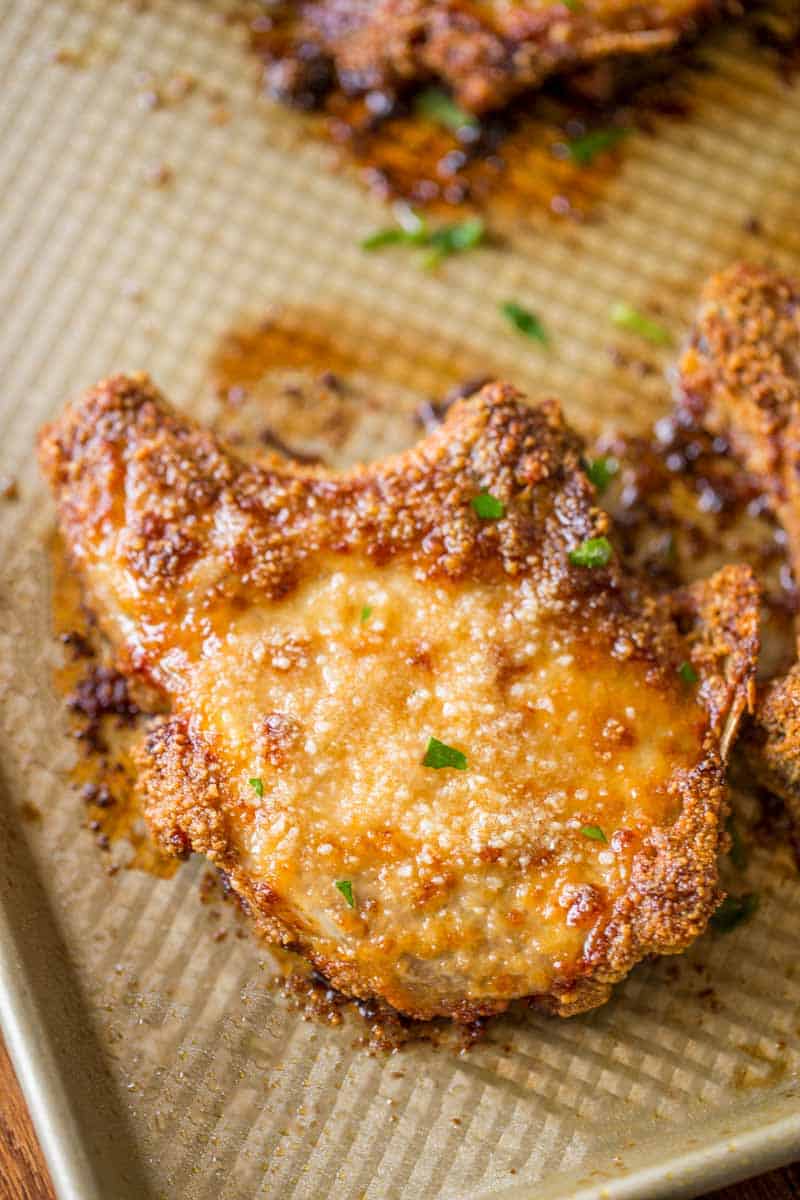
point(78, 643)
point(9, 488)
point(332, 381)
point(97, 795)
point(268, 437)
point(102, 692)
point(160, 175)
point(208, 887)
point(709, 997)
point(386, 1030)
point(430, 413)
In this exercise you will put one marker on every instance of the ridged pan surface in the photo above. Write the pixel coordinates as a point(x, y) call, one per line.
point(133, 234)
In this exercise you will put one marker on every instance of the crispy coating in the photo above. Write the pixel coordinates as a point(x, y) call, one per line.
point(311, 631)
point(740, 377)
point(486, 51)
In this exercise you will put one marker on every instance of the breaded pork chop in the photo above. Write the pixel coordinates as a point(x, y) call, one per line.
point(486, 51)
point(312, 632)
point(740, 377)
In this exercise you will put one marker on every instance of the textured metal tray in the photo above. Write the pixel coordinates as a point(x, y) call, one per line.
point(156, 1060)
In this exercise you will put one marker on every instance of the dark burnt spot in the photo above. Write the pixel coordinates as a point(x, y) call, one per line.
point(273, 441)
point(102, 692)
point(97, 794)
point(179, 844)
point(77, 643)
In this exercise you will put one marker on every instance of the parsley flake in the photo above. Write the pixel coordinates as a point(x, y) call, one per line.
point(594, 552)
point(346, 888)
point(601, 471)
point(687, 673)
point(438, 755)
point(258, 787)
point(488, 507)
point(625, 316)
point(366, 613)
point(440, 243)
point(733, 911)
point(453, 239)
point(436, 105)
point(594, 832)
point(524, 321)
point(583, 150)
point(411, 230)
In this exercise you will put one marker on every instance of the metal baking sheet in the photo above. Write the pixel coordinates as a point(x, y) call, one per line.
point(158, 1061)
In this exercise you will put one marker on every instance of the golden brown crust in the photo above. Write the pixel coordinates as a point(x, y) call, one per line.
point(772, 742)
point(488, 53)
point(235, 589)
point(740, 377)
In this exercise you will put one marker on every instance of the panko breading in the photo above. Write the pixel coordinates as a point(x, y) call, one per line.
point(312, 631)
point(740, 377)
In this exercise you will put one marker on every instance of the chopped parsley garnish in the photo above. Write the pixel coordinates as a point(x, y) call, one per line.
point(625, 316)
point(733, 911)
point(453, 239)
point(366, 613)
point(440, 243)
point(583, 150)
point(411, 230)
point(687, 673)
point(572, 5)
point(594, 832)
point(258, 787)
point(439, 755)
point(435, 105)
point(594, 552)
point(346, 888)
point(488, 507)
point(738, 850)
point(524, 321)
point(601, 471)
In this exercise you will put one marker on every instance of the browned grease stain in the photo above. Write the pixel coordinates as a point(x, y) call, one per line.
point(755, 1076)
point(521, 165)
point(104, 773)
point(318, 340)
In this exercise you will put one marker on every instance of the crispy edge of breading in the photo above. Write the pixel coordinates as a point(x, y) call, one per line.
point(740, 377)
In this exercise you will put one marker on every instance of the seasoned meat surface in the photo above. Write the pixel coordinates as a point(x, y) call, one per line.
point(740, 377)
point(486, 51)
point(312, 631)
